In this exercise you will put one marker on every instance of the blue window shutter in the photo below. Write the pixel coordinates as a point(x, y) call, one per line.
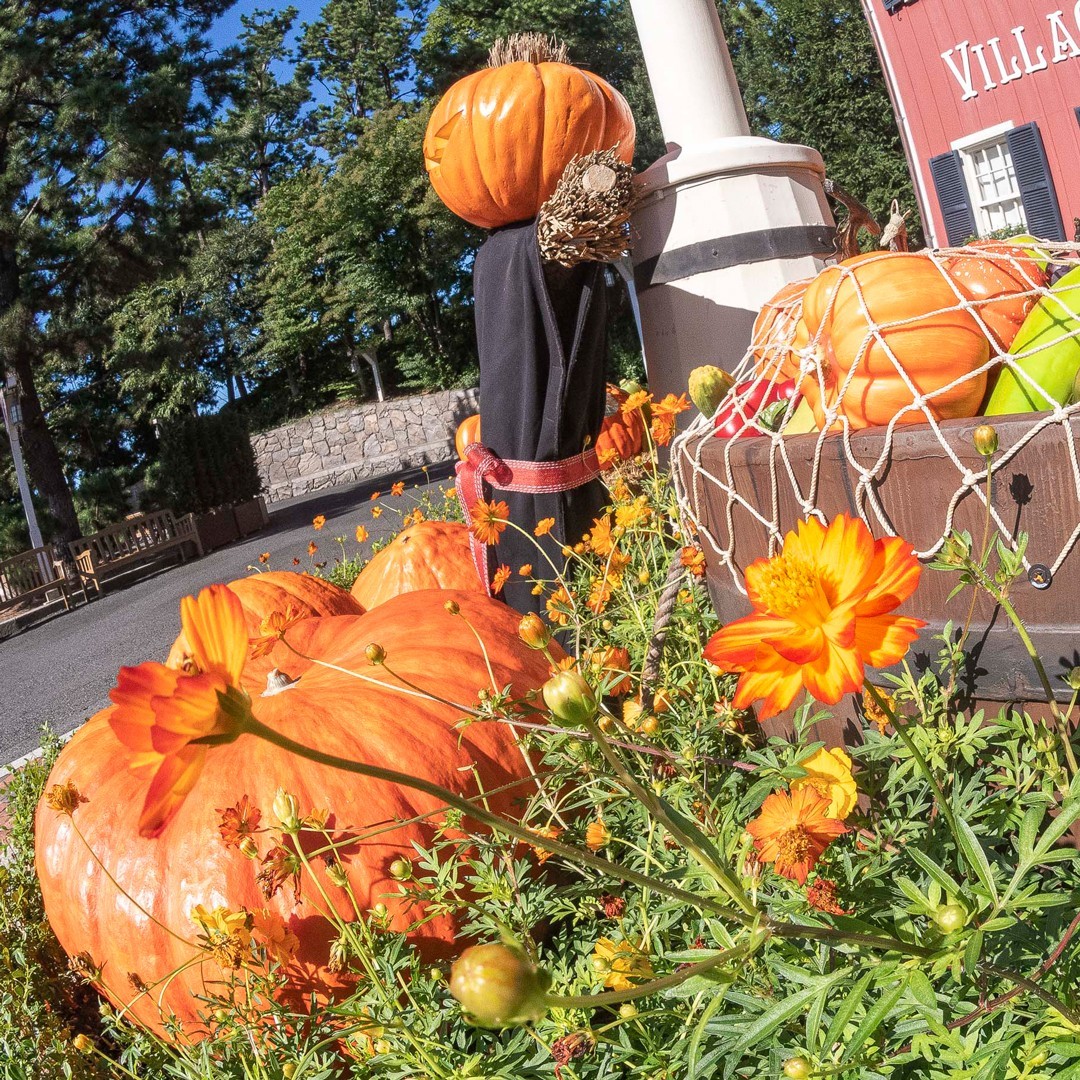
point(952, 193)
point(1036, 185)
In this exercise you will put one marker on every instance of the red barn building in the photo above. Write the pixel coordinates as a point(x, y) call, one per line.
point(987, 95)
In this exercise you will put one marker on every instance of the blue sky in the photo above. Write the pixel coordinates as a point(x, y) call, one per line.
point(227, 28)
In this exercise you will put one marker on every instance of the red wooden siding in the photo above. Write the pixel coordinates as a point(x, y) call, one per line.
point(929, 98)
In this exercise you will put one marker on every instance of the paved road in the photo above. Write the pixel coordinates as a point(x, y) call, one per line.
point(60, 671)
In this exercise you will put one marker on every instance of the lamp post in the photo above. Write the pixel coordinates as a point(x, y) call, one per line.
point(726, 218)
point(12, 410)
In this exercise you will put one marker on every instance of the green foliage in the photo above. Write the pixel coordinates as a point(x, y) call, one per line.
point(42, 1003)
point(203, 462)
point(102, 499)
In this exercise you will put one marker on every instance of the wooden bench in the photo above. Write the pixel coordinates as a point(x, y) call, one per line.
point(139, 539)
point(24, 576)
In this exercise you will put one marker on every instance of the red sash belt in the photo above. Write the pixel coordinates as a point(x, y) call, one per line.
point(481, 467)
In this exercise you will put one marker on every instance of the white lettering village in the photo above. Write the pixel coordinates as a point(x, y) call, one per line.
point(1000, 60)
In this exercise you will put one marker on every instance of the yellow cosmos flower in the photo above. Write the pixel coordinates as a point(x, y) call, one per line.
point(828, 772)
point(620, 965)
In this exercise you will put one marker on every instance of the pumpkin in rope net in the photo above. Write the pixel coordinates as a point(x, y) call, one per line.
point(622, 434)
point(468, 432)
point(498, 140)
point(144, 936)
point(779, 332)
point(427, 555)
point(875, 314)
point(1002, 280)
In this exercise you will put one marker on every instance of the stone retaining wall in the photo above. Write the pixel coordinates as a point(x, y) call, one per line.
point(360, 441)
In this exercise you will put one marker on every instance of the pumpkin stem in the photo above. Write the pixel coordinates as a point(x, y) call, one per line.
point(529, 48)
point(277, 681)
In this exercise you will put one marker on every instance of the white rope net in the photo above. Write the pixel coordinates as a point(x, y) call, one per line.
point(881, 348)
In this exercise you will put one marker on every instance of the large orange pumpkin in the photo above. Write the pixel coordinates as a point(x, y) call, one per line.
point(499, 139)
point(622, 435)
point(779, 332)
point(428, 555)
point(277, 590)
point(1002, 280)
point(189, 865)
point(468, 432)
point(913, 304)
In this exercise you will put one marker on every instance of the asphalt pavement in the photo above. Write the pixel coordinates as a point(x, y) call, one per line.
point(59, 672)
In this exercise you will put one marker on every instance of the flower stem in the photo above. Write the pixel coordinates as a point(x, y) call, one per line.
point(1001, 597)
point(920, 761)
point(255, 727)
point(676, 978)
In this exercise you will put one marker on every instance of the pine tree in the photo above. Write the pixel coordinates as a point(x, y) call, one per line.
point(102, 103)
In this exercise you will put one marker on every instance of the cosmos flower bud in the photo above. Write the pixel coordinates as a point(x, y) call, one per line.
point(985, 438)
point(376, 654)
point(533, 631)
point(497, 985)
point(286, 810)
point(570, 698)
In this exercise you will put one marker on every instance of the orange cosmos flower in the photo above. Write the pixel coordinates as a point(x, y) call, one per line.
point(600, 539)
point(502, 576)
point(361, 534)
point(272, 630)
point(162, 713)
point(560, 606)
point(663, 417)
point(822, 613)
point(318, 521)
point(238, 822)
point(693, 558)
point(544, 526)
point(793, 830)
point(312, 547)
point(525, 569)
point(489, 520)
point(398, 488)
point(264, 557)
point(270, 931)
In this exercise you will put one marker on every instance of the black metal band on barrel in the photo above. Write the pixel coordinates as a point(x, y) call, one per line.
point(789, 242)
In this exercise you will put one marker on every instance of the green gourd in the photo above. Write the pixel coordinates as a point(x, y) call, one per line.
point(1055, 367)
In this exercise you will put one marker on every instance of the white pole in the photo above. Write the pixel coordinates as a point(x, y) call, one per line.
point(12, 429)
point(693, 82)
point(726, 218)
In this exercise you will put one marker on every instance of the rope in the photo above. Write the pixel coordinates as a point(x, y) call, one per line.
point(655, 652)
point(751, 507)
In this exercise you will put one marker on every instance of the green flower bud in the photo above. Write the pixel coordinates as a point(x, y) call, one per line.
point(497, 985)
point(950, 917)
point(286, 810)
point(533, 631)
point(985, 438)
point(797, 1068)
point(570, 698)
point(401, 869)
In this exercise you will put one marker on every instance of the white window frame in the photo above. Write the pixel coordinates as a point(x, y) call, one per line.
point(966, 146)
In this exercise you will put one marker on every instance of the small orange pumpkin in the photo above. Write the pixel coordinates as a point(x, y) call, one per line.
point(622, 435)
point(913, 304)
point(498, 141)
point(468, 432)
point(779, 332)
point(428, 555)
point(276, 590)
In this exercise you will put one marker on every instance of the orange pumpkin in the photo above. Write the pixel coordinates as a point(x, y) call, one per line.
point(1002, 282)
point(622, 435)
point(913, 304)
point(468, 432)
point(779, 332)
point(276, 590)
point(428, 555)
point(499, 139)
point(188, 864)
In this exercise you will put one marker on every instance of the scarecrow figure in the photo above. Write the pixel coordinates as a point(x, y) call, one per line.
point(558, 197)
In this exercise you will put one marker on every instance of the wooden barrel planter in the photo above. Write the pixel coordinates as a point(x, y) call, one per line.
point(1036, 491)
